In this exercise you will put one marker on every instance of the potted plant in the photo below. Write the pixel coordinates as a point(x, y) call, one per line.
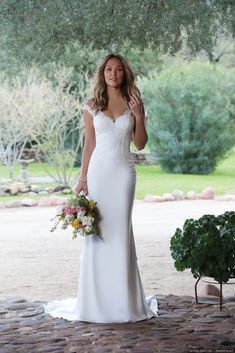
point(207, 247)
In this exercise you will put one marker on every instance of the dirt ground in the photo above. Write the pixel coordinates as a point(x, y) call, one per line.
point(39, 265)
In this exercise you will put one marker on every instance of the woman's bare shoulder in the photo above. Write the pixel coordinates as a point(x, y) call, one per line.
point(90, 102)
point(88, 106)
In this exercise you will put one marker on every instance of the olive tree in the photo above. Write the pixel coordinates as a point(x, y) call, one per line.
point(12, 134)
point(49, 113)
point(43, 31)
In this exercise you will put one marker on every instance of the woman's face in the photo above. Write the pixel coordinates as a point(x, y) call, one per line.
point(114, 72)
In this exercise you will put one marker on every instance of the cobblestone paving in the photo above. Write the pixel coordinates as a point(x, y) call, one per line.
point(181, 326)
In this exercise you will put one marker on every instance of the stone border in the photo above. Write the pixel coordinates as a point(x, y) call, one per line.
point(178, 195)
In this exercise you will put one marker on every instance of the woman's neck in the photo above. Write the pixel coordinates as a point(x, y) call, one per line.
point(114, 93)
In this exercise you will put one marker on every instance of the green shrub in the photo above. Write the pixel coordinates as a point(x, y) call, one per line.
point(191, 116)
point(206, 246)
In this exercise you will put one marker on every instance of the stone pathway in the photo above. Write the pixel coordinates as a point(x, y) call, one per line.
point(180, 327)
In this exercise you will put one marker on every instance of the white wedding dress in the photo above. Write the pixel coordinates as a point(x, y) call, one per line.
point(110, 288)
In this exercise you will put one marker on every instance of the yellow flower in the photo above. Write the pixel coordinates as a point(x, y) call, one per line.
point(75, 223)
point(91, 204)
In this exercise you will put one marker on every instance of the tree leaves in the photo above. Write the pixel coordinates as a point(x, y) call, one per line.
point(39, 31)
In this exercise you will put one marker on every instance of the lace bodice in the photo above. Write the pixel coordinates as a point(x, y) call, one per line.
point(112, 137)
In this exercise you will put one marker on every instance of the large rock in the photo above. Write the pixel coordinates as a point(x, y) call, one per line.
point(2, 192)
point(49, 189)
point(153, 198)
point(35, 188)
point(207, 194)
point(66, 191)
point(178, 195)
point(15, 188)
point(159, 198)
point(191, 195)
point(55, 201)
point(51, 201)
point(24, 189)
point(150, 198)
point(43, 202)
point(6, 188)
point(168, 197)
point(59, 201)
point(13, 203)
point(32, 193)
point(16, 299)
point(59, 188)
point(29, 202)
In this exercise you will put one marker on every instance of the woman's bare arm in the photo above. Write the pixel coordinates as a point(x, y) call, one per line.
point(88, 148)
point(139, 136)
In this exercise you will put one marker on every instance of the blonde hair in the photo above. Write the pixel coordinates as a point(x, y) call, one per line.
point(128, 86)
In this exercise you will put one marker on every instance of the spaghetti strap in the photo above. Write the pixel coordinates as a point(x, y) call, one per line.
point(89, 109)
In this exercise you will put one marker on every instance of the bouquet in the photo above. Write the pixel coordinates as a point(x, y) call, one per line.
point(80, 213)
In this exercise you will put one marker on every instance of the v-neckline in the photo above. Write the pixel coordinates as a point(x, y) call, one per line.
point(114, 120)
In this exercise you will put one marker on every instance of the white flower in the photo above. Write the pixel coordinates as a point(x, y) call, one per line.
point(59, 210)
point(81, 212)
point(68, 218)
point(88, 229)
point(87, 220)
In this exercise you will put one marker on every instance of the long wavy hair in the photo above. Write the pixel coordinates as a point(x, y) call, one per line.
point(128, 86)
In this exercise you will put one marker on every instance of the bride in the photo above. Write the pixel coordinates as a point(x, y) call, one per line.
point(110, 288)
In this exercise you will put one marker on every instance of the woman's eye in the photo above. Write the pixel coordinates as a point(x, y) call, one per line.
point(110, 69)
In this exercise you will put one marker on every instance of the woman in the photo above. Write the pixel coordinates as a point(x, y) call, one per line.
point(110, 287)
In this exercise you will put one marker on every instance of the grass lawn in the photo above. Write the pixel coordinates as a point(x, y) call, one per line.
point(34, 169)
point(152, 180)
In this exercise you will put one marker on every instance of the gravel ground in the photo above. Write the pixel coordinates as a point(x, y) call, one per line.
point(39, 265)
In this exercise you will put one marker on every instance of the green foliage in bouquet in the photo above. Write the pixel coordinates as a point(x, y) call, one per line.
point(206, 246)
point(79, 201)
